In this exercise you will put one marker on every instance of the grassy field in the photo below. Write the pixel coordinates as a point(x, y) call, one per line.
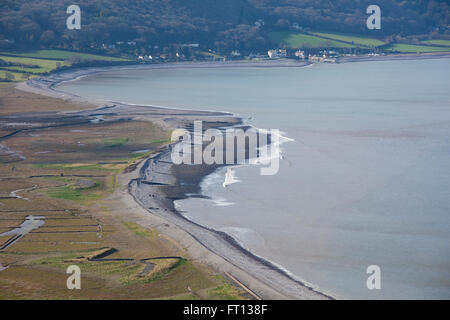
point(72, 192)
point(353, 39)
point(438, 42)
point(43, 66)
point(13, 100)
point(115, 142)
point(44, 61)
point(17, 76)
point(300, 40)
point(409, 48)
point(63, 55)
point(337, 40)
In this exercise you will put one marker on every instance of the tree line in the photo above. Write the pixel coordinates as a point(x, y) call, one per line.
point(220, 24)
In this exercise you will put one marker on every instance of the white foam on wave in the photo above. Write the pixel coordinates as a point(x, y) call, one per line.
point(241, 235)
point(273, 150)
point(278, 142)
point(220, 202)
point(227, 176)
point(177, 205)
point(230, 177)
point(212, 180)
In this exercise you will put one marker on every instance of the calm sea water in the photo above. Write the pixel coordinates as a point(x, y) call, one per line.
point(366, 181)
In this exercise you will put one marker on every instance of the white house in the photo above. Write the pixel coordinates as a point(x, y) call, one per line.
point(300, 54)
point(278, 53)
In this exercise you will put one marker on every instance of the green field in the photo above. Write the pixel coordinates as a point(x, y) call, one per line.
point(63, 55)
point(17, 76)
point(437, 42)
point(115, 142)
point(74, 194)
point(409, 48)
point(43, 61)
point(357, 40)
point(43, 65)
point(300, 40)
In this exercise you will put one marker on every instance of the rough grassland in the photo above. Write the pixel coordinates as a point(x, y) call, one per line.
point(16, 101)
point(358, 40)
point(29, 64)
point(64, 55)
point(409, 48)
point(68, 175)
point(17, 76)
point(438, 42)
point(300, 40)
point(44, 65)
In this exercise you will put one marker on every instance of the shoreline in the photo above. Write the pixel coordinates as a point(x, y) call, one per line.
point(394, 57)
point(262, 277)
point(46, 85)
point(159, 200)
point(270, 281)
point(54, 79)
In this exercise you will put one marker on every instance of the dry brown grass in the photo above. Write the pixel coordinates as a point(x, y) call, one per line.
point(79, 222)
point(13, 100)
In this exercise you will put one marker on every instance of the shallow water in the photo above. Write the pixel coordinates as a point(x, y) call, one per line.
point(366, 180)
point(29, 224)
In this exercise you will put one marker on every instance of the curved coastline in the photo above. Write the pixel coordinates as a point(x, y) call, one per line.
point(219, 242)
point(271, 280)
point(259, 268)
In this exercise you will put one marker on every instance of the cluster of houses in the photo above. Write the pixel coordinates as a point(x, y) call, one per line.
point(323, 56)
point(277, 53)
point(324, 59)
point(312, 56)
point(162, 56)
point(119, 44)
point(154, 48)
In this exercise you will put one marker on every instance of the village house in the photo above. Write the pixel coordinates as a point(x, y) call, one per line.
point(235, 53)
point(323, 59)
point(278, 53)
point(300, 54)
point(253, 55)
point(190, 45)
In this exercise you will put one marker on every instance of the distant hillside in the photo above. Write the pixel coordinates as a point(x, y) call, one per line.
point(398, 16)
point(220, 24)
